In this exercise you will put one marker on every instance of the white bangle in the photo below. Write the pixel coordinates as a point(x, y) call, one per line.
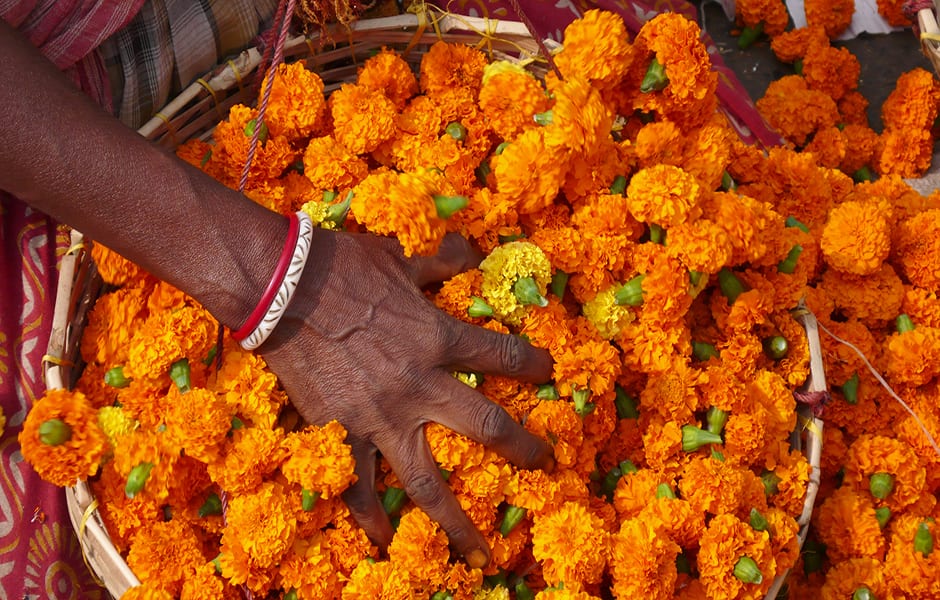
point(285, 292)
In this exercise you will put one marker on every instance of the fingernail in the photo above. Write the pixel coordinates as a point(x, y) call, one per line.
point(477, 559)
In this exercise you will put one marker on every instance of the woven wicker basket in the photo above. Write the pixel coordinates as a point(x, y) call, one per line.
point(195, 112)
point(930, 34)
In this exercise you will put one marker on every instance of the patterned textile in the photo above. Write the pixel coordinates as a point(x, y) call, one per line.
point(171, 43)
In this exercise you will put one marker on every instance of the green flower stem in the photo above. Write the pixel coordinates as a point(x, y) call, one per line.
point(758, 521)
point(479, 308)
point(336, 213)
point(863, 174)
point(746, 570)
point(788, 265)
point(581, 404)
point(115, 377)
point(727, 182)
point(625, 404)
point(655, 78)
point(627, 467)
point(180, 374)
point(393, 500)
point(447, 205)
point(54, 432)
point(511, 519)
point(609, 482)
point(212, 506)
point(716, 419)
point(749, 35)
point(547, 391)
point(798, 66)
point(729, 284)
point(619, 186)
point(657, 234)
point(631, 293)
point(771, 482)
point(904, 323)
point(663, 490)
point(523, 592)
point(883, 515)
point(881, 485)
point(794, 222)
point(308, 499)
point(850, 389)
point(694, 438)
point(863, 593)
point(923, 540)
point(559, 284)
point(703, 351)
point(250, 130)
point(527, 292)
point(137, 479)
point(544, 118)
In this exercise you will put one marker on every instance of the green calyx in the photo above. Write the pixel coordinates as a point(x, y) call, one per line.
point(757, 521)
point(559, 284)
point(511, 519)
point(212, 506)
point(746, 570)
point(393, 500)
point(728, 183)
point(771, 482)
point(180, 374)
point(788, 265)
point(883, 515)
point(619, 186)
point(775, 347)
point(291, 594)
point(903, 324)
point(625, 404)
point(54, 432)
point(448, 205)
point(543, 118)
point(456, 130)
point(703, 351)
point(664, 490)
point(630, 293)
point(527, 292)
point(627, 467)
point(716, 419)
point(695, 278)
point(442, 595)
point(749, 35)
point(479, 308)
point(137, 479)
point(863, 174)
point(547, 391)
point(881, 485)
point(863, 593)
point(262, 134)
point(308, 499)
point(798, 66)
point(581, 404)
point(501, 148)
point(850, 389)
point(115, 378)
point(694, 438)
point(794, 222)
point(655, 78)
point(657, 234)
point(729, 284)
point(336, 213)
point(923, 540)
point(523, 591)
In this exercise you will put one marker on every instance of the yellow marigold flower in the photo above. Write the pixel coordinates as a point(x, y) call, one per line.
point(166, 554)
point(845, 521)
point(871, 454)
point(796, 110)
point(530, 171)
point(845, 577)
point(569, 593)
point(596, 46)
point(833, 71)
point(115, 269)
point(770, 15)
point(308, 569)
point(378, 579)
point(908, 571)
point(61, 438)
point(642, 561)
point(111, 324)
point(570, 542)
point(874, 298)
point(319, 459)
point(510, 98)
point(857, 237)
point(912, 357)
point(792, 45)
point(606, 315)
point(496, 593)
point(114, 422)
point(251, 455)
point(663, 195)
point(389, 73)
point(503, 268)
point(330, 165)
point(259, 531)
point(918, 249)
point(362, 118)
point(296, 108)
point(452, 68)
point(726, 541)
point(833, 16)
point(419, 548)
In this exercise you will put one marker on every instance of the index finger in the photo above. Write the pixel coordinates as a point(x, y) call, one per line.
point(473, 348)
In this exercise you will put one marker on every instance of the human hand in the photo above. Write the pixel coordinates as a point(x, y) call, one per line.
point(361, 344)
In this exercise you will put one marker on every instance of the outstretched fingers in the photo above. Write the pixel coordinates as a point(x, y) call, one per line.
point(361, 499)
point(477, 349)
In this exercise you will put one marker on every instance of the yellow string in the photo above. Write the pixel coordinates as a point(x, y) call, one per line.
point(89, 510)
point(238, 75)
point(169, 127)
point(215, 98)
point(62, 362)
point(809, 424)
point(933, 37)
point(74, 248)
point(419, 10)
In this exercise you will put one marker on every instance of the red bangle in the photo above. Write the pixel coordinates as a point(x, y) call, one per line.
point(279, 272)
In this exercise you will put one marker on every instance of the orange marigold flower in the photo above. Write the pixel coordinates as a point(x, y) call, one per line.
point(146, 592)
point(676, 519)
point(871, 454)
point(874, 298)
point(717, 487)
point(452, 68)
point(846, 523)
point(904, 152)
point(922, 305)
point(672, 393)
point(893, 13)
point(389, 73)
point(833, 16)
point(784, 537)
point(590, 363)
point(319, 459)
point(726, 541)
point(198, 422)
point(907, 570)
point(912, 357)
point(857, 237)
point(571, 544)
point(702, 245)
point(329, 165)
point(528, 154)
point(580, 119)
point(829, 146)
point(249, 387)
point(853, 108)
point(663, 195)
point(635, 491)
point(115, 269)
point(206, 583)
point(296, 108)
point(308, 569)
point(770, 15)
point(362, 118)
point(917, 246)
point(61, 438)
point(707, 153)
point(378, 579)
point(792, 45)
point(510, 97)
point(419, 548)
point(123, 516)
point(913, 102)
point(861, 142)
point(259, 531)
point(642, 561)
point(796, 110)
point(252, 454)
point(230, 151)
point(845, 577)
point(166, 554)
point(111, 324)
point(557, 421)
point(596, 46)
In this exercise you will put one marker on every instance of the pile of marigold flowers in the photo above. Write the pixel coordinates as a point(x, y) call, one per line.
point(628, 231)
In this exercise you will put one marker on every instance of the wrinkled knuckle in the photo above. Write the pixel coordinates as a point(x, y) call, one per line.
point(449, 336)
point(510, 353)
point(492, 424)
point(425, 490)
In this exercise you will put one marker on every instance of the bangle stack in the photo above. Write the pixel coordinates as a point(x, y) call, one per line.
point(277, 296)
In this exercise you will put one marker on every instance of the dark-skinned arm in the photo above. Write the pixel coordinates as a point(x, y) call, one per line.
point(360, 343)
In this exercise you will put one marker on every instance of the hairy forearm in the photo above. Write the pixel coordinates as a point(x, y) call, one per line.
point(66, 157)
